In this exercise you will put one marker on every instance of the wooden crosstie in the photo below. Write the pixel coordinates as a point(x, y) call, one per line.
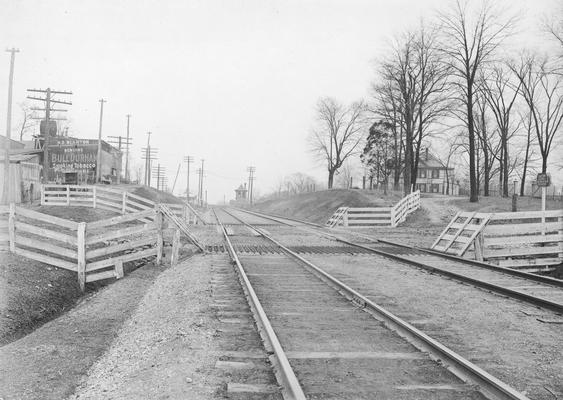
point(466, 227)
point(181, 224)
point(336, 217)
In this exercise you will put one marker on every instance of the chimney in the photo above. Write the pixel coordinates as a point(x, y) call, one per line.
point(426, 155)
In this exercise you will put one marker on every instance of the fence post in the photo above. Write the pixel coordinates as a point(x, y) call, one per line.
point(67, 195)
point(478, 246)
point(94, 197)
point(119, 269)
point(560, 219)
point(12, 227)
point(175, 248)
point(393, 224)
point(81, 251)
point(42, 195)
point(123, 202)
point(345, 218)
point(159, 239)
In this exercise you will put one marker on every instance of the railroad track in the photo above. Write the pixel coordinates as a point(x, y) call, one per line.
point(329, 341)
point(540, 291)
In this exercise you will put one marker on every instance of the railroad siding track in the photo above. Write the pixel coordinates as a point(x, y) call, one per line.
point(269, 249)
point(242, 361)
point(337, 350)
point(526, 287)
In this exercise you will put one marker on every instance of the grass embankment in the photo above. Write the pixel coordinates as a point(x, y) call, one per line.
point(319, 206)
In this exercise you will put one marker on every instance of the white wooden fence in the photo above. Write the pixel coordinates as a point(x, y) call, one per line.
point(375, 216)
point(110, 199)
point(531, 240)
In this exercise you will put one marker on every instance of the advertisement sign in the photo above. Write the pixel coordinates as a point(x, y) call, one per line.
point(72, 155)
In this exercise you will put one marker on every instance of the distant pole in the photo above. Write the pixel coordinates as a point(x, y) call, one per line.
point(147, 161)
point(201, 184)
point(188, 160)
point(6, 191)
point(127, 151)
point(99, 158)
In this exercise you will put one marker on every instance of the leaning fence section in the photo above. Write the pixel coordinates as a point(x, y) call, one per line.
point(107, 244)
point(531, 240)
point(375, 216)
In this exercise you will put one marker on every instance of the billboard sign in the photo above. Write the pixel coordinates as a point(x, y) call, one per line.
point(543, 180)
point(72, 155)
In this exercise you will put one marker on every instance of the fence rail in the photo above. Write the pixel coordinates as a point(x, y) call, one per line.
point(376, 216)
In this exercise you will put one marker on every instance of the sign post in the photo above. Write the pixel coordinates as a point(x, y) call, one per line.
point(543, 180)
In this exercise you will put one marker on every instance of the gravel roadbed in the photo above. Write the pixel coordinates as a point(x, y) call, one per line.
point(170, 346)
point(501, 335)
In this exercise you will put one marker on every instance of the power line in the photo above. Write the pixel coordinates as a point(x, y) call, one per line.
point(46, 128)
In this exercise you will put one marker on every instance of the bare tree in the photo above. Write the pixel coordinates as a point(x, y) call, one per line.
point(387, 108)
point(27, 122)
point(412, 94)
point(470, 40)
point(338, 133)
point(487, 146)
point(542, 89)
point(500, 93)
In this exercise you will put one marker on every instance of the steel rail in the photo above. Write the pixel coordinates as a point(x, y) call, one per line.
point(291, 388)
point(534, 300)
point(461, 367)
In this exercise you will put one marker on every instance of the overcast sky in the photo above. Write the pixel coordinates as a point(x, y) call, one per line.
point(232, 82)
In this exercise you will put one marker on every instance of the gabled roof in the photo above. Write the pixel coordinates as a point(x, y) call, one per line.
point(431, 162)
point(241, 189)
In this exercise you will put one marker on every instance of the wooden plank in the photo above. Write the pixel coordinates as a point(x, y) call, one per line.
point(120, 219)
point(24, 212)
point(98, 276)
point(523, 239)
point(462, 239)
point(516, 229)
point(61, 237)
point(521, 251)
point(370, 209)
point(369, 222)
point(119, 269)
point(45, 259)
point(119, 233)
point(113, 206)
point(81, 254)
point(108, 262)
point(453, 221)
point(46, 246)
point(141, 199)
point(175, 248)
point(370, 215)
point(4, 209)
point(159, 239)
point(528, 262)
point(104, 251)
point(527, 215)
point(12, 227)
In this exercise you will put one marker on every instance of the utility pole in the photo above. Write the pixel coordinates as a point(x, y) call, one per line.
point(99, 157)
point(45, 129)
point(120, 141)
point(6, 192)
point(188, 160)
point(251, 178)
point(200, 195)
point(127, 151)
point(160, 175)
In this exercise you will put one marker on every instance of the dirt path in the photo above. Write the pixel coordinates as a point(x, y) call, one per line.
point(49, 363)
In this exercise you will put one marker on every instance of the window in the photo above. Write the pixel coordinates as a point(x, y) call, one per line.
point(421, 187)
point(435, 188)
point(435, 173)
point(422, 173)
